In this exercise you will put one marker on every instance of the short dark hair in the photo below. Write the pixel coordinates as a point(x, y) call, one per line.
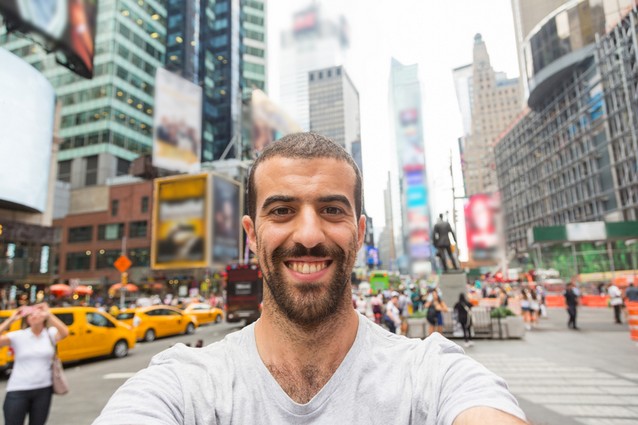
point(303, 146)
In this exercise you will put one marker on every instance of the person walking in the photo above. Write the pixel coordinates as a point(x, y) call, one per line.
point(571, 300)
point(616, 301)
point(29, 389)
point(463, 309)
point(392, 316)
point(435, 309)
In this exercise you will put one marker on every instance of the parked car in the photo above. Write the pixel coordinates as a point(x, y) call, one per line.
point(159, 321)
point(6, 354)
point(205, 313)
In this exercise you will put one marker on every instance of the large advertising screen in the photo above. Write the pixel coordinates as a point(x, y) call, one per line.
point(227, 210)
point(269, 122)
point(177, 123)
point(480, 226)
point(26, 134)
point(68, 27)
point(180, 222)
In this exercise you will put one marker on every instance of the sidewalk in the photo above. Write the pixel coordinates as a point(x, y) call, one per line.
point(567, 377)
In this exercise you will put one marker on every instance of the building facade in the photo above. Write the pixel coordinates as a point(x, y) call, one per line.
point(106, 122)
point(314, 42)
point(573, 159)
point(220, 45)
point(334, 108)
point(495, 101)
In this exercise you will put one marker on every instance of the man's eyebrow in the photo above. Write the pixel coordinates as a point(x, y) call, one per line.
point(335, 198)
point(277, 198)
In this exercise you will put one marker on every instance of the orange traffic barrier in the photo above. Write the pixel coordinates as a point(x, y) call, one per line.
point(594, 301)
point(632, 311)
point(555, 300)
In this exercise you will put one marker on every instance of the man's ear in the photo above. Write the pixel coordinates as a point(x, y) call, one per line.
point(362, 231)
point(249, 227)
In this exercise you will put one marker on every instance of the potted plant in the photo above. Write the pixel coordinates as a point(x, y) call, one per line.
point(509, 324)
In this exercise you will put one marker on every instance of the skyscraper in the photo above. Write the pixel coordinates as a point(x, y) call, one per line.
point(314, 42)
point(405, 107)
point(334, 108)
point(220, 45)
point(495, 102)
point(106, 121)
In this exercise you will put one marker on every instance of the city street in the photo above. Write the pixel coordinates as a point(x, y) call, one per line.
point(559, 376)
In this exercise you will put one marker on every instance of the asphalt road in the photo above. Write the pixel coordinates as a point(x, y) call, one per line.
point(93, 382)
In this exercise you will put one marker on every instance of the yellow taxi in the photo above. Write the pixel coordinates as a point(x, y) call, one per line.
point(205, 313)
point(6, 354)
point(159, 321)
point(92, 333)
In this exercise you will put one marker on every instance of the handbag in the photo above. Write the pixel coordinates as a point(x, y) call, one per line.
point(60, 383)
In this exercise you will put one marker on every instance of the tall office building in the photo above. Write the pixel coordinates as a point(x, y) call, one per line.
point(334, 108)
point(106, 121)
point(314, 42)
point(572, 157)
point(220, 45)
point(406, 110)
point(495, 102)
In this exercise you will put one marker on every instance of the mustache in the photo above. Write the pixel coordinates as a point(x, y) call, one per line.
point(298, 250)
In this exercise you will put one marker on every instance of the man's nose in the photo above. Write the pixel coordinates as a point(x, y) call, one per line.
point(309, 228)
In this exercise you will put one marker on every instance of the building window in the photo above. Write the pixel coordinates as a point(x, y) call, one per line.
point(64, 171)
point(80, 234)
point(78, 260)
point(110, 232)
point(137, 229)
point(91, 170)
point(122, 167)
point(115, 206)
point(106, 258)
point(140, 257)
point(144, 204)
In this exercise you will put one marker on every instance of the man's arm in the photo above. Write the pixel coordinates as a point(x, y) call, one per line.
point(486, 415)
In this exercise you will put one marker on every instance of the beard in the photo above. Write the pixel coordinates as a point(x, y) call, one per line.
point(310, 304)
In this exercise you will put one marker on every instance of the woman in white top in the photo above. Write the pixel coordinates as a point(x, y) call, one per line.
point(29, 389)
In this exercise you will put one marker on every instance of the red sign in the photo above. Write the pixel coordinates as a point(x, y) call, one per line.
point(122, 263)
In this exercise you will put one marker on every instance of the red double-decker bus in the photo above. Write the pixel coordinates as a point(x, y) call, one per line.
point(244, 292)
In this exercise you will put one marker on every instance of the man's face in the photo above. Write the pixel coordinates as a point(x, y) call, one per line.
point(306, 234)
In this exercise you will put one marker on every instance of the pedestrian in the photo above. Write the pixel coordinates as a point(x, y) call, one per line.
point(377, 309)
point(534, 307)
point(435, 308)
point(463, 309)
point(29, 389)
point(571, 301)
point(526, 309)
point(392, 318)
point(310, 358)
point(631, 293)
point(615, 301)
point(362, 305)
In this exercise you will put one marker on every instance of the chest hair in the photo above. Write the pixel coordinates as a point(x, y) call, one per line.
point(301, 384)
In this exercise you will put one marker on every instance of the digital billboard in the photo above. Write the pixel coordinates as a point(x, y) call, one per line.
point(180, 222)
point(269, 122)
point(177, 123)
point(67, 26)
point(227, 210)
point(480, 226)
point(27, 105)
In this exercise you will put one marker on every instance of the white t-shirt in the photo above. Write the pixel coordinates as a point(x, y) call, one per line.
point(384, 379)
point(615, 295)
point(32, 359)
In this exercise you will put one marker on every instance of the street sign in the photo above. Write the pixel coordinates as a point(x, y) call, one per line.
point(122, 264)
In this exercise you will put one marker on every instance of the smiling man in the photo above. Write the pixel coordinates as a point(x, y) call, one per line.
point(311, 358)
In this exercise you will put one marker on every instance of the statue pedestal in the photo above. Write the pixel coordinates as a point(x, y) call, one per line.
point(452, 284)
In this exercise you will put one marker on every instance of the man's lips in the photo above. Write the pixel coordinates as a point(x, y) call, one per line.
point(307, 267)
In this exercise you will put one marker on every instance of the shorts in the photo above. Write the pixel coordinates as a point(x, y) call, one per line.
point(439, 318)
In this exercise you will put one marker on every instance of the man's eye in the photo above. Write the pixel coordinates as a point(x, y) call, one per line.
point(333, 210)
point(281, 211)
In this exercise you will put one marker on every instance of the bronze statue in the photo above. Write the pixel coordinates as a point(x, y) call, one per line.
point(441, 239)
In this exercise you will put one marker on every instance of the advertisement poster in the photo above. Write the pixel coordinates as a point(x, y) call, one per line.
point(177, 123)
point(180, 234)
point(227, 210)
point(480, 226)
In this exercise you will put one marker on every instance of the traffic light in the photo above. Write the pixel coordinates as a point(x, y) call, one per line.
point(124, 278)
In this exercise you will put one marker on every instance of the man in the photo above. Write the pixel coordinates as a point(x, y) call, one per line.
point(631, 293)
point(392, 314)
point(616, 301)
point(441, 239)
point(571, 300)
point(311, 358)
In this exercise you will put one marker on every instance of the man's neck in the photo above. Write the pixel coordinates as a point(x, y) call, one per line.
point(303, 359)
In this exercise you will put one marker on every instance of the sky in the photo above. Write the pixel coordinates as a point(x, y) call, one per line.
point(438, 36)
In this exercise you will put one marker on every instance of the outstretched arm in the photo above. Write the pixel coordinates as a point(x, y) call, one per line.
point(486, 415)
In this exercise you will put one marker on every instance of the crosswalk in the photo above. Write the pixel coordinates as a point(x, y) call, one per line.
point(584, 394)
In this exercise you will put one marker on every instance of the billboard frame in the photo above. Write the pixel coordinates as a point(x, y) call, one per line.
point(240, 248)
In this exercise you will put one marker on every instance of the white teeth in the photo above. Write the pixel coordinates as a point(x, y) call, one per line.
point(306, 268)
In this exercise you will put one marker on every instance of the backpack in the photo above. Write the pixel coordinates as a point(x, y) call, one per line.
point(431, 314)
